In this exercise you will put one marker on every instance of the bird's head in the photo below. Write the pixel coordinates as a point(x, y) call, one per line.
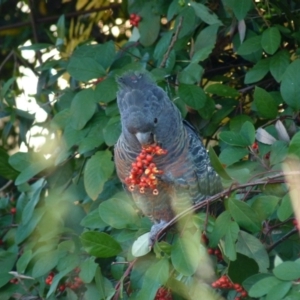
point(147, 114)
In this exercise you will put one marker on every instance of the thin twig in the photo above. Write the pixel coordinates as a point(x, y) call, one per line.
point(126, 273)
point(7, 184)
point(173, 41)
point(11, 53)
point(285, 237)
point(212, 199)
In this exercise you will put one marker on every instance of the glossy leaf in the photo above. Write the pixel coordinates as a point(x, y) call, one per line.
point(270, 40)
point(244, 215)
point(97, 171)
point(118, 214)
point(192, 95)
point(265, 104)
point(287, 270)
point(250, 246)
point(184, 256)
point(100, 244)
point(204, 13)
point(106, 90)
point(83, 108)
point(290, 85)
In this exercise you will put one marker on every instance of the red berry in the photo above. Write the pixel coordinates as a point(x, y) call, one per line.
point(137, 18)
point(149, 157)
point(13, 210)
point(132, 16)
point(244, 294)
point(62, 287)
point(237, 298)
point(210, 251)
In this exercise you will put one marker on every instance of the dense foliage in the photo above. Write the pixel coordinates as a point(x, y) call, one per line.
point(67, 228)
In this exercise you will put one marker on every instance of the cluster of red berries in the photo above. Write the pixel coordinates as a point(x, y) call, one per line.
point(49, 278)
point(134, 19)
point(74, 284)
point(143, 170)
point(225, 283)
point(163, 294)
point(217, 252)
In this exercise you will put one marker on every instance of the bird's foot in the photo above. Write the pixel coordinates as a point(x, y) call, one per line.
point(155, 229)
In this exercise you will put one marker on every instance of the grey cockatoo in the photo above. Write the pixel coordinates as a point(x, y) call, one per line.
point(186, 176)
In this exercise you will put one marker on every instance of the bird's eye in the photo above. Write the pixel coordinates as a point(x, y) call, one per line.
point(155, 120)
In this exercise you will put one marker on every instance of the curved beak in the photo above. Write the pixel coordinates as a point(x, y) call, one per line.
point(145, 138)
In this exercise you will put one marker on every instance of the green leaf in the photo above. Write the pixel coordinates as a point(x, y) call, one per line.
point(100, 244)
point(187, 26)
point(250, 46)
point(82, 109)
point(23, 261)
point(231, 155)
point(258, 72)
point(149, 26)
point(118, 214)
point(106, 90)
point(28, 209)
point(97, 171)
point(45, 264)
point(163, 45)
point(248, 132)
point(6, 86)
point(285, 209)
point(205, 14)
point(279, 291)
point(7, 261)
point(244, 215)
point(270, 40)
point(85, 68)
point(238, 274)
point(191, 74)
point(205, 42)
point(88, 269)
point(294, 148)
point(222, 90)
point(263, 286)
point(216, 164)
point(93, 220)
point(201, 54)
point(32, 170)
point(6, 170)
point(230, 239)
point(250, 246)
point(234, 139)
point(192, 95)
point(24, 230)
point(60, 31)
point(279, 63)
point(240, 8)
point(264, 206)
point(279, 152)
point(265, 103)
point(288, 270)
point(112, 131)
point(290, 85)
point(156, 276)
point(184, 256)
point(221, 227)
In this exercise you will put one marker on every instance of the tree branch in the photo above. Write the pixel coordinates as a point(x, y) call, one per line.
point(214, 198)
point(173, 41)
